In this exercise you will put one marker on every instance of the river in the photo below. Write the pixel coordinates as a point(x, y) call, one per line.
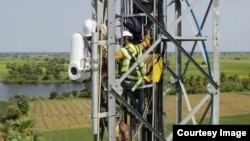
point(43, 90)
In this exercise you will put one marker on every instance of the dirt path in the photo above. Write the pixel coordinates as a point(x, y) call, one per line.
point(74, 113)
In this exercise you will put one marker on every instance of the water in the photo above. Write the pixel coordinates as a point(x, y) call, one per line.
point(43, 90)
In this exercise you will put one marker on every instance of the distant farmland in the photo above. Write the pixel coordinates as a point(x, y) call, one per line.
point(231, 63)
point(61, 114)
point(74, 113)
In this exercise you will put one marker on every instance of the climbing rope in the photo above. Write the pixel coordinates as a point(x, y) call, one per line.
point(146, 110)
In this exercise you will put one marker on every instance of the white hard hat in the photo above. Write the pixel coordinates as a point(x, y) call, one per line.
point(89, 26)
point(127, 34)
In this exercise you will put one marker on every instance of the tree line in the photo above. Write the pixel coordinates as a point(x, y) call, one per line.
point(48, 69)
point(55, 69)
point(228, 83)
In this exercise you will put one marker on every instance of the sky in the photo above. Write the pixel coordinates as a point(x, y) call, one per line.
point(47, 25)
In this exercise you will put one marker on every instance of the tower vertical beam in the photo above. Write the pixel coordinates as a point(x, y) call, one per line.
point(111, 68)
point(178, 64)
point(216, 47)
point(94, 9)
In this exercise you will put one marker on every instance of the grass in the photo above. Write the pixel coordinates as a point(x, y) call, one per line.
point(236, 119)
point(68, 119)
point(4, 107)
point(228, 62)
point(61, 114)
point(79, 134)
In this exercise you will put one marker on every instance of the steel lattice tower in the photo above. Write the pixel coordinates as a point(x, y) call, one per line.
point(171, 31)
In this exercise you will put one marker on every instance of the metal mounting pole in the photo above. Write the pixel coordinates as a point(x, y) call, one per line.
point(111, 68)
point(94, 81)
point(216, 61)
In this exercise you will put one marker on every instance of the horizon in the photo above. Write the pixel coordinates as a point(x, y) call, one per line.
point(31, 28)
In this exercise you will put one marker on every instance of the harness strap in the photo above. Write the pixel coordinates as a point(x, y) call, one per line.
point(138, 69)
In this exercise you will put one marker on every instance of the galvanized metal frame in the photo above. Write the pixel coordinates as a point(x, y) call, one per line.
point(114, 88)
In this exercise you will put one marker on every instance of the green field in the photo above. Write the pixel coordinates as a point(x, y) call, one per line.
point(82, 134)
point(32, 59)
point(78, 134)
point(68, 119)
point(230, 63)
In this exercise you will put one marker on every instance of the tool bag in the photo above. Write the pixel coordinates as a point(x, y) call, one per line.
point(154, 67)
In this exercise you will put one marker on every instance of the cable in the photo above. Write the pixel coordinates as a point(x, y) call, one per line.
point(205, 49)
point(146, 111)
point(200, 34)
